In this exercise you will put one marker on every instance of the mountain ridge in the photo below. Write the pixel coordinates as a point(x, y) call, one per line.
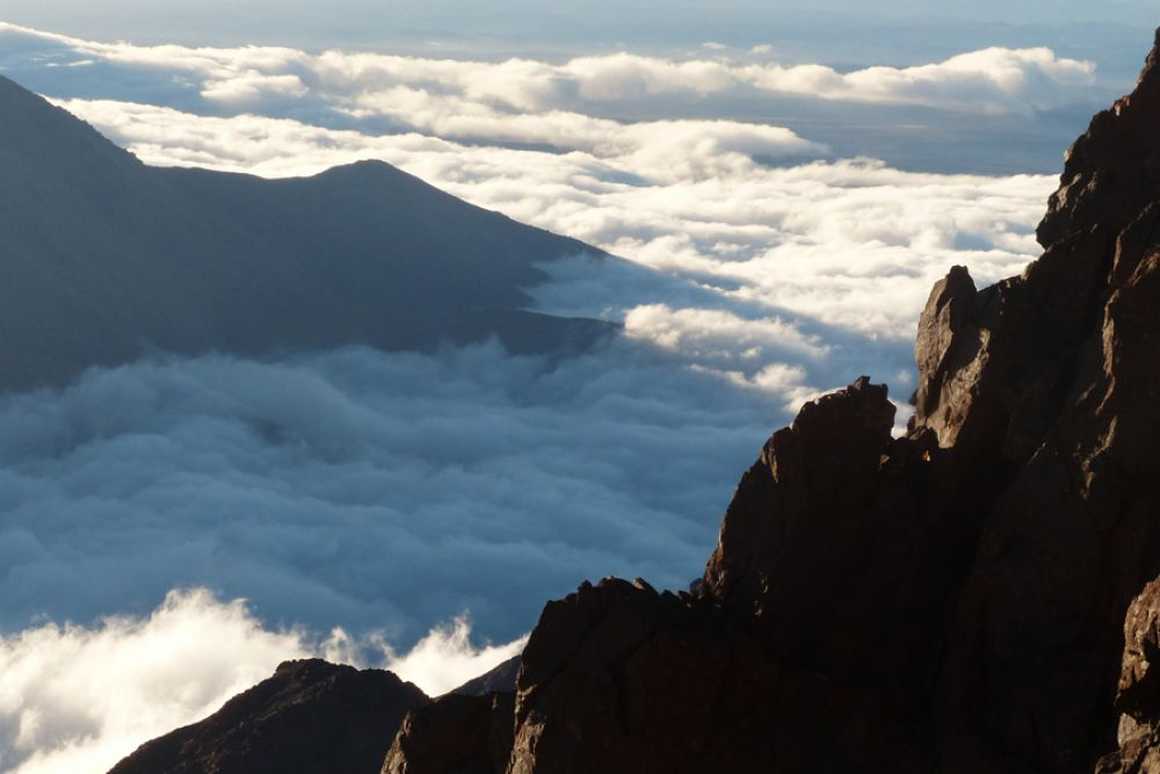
point(107, 258)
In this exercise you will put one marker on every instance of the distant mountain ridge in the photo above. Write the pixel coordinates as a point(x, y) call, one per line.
point(103, 258)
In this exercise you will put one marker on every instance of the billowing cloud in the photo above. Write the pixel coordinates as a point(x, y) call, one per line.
point(79, 698)
point(993, 80)
point(713, 334)
point(446, 657)
point(372, 491)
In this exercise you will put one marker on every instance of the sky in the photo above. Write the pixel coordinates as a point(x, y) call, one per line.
point(587, 24)
point(780, 196)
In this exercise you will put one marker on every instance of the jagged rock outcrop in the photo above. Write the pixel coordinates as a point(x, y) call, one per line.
point(1113, 170)
point(815, 630)
point(311, 717)
point(619, 678)
point(467, 731)
point(1066, 407)
point(950, 601)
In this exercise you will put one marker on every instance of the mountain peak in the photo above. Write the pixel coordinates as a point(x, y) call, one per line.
point(1113, 169)
point(361, 168)
point(1152, 63)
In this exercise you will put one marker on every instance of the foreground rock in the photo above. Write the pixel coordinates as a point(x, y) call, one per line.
point(1138, 695)
point(455, 734)
point(467, 731)
point(950, 601)
point(1051, 385)
point(311, 717)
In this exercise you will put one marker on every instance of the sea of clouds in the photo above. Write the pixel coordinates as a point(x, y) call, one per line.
point(172, 529)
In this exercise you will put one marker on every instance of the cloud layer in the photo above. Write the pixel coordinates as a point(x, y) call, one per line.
point(387, 494)
point(1001, 108)
point(368, 490)
point(993, 80)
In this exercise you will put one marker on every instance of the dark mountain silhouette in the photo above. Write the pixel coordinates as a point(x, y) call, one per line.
point(971, 597)
point(103, 258)
point(310, 717)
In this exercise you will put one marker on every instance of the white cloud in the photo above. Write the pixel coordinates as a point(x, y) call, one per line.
point(993, 80)
point(252, 86)
point(659, 148)
point(79, 698)
point(370, 490)
point(717, 335)
point(446, 658)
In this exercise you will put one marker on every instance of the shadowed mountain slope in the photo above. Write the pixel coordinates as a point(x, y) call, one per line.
point(104, 258)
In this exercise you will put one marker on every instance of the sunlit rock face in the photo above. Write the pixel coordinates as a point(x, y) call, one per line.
point(947, 601)
point(106, 259)
point(1138, 694)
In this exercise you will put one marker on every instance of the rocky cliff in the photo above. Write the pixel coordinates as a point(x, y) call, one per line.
point(949, 601)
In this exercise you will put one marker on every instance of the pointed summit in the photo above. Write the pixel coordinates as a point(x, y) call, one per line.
point(1113, 169)
point(1152, 63)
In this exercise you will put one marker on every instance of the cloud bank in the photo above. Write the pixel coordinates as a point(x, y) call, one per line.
point(1002, 108)
point(993, 80)
point(373, 491)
